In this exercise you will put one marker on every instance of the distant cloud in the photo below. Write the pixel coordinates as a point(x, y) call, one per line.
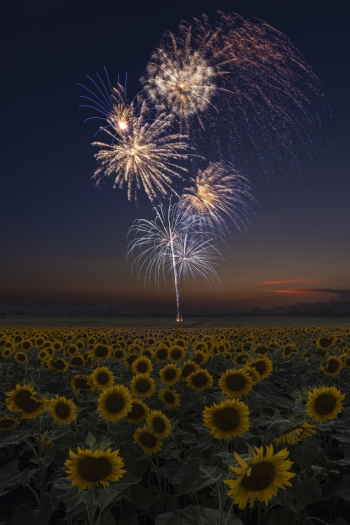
point(342, 294)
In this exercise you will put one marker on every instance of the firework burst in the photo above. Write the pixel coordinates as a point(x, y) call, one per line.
point(216, 191)
point(174, 243)
point(143, 153)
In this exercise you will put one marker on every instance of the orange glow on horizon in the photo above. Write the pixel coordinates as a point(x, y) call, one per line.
point(293, 281)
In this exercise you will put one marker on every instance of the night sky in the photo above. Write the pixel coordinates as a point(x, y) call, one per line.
point(63, 242)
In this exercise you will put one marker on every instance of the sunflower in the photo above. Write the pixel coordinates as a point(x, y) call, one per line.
point(129, 360)
point(118, 354)
point(331, 368)
point(235, 383)
point(149, 442)
point(200, 357)
point(87, 468)
point(114, 403)
point(188, 368)
point(292, 435)
point(138, 412)
point(324, 402)
point(176, 353)
point(158, 423)
point(170, 374)
point(142, 365)
point(241, 358)
point(7, 352)
point(26, 345)
point(43, 355)
point(161, 353)
point(142, 385)
point(23, 400)
point(62, 410)
point(80, 382)
point(253, 373)
point(200, 380)
point(77, 360)
point(21, 357)
point(102, 378)
point(262, 365)
point(57, 365)
point(325, 342)
point(8, 423)
point(261, 477)
point(101, 351)
point(170, 398)
point(227, 419)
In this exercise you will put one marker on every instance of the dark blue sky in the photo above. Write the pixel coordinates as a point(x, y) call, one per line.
point(63, 242)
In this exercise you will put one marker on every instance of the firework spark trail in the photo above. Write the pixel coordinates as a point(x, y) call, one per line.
point(218, 190)
point(145, 154)
point(245, 84)
point(174, 242)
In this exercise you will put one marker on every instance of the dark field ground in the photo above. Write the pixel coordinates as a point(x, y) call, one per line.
point(158, 322)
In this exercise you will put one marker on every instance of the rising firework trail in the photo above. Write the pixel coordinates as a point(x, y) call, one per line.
point(174, 242)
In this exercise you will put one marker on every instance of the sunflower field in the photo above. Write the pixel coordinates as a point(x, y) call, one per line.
point(191, 426)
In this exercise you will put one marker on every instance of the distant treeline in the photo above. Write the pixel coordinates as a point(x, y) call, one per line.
point(325, 309)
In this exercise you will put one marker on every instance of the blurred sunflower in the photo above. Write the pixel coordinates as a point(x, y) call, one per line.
point(101, 351)
point(261, 477)
point(80, 382)
point(149, 442)
point(142, 365)
point(102, 378)
point(7, 352)
point(296, 433)
point(227, 419)
point(114, 403)
point(43, 355)
point(324, 402)
point(262, 365)
point(57, 365)
point(200, 380)
point(325, 342)
point(129, 360)
point(138, 412)
point(8, 423)
point(200, 357)
point(62, 410)
point(170, 398)
point(21, 357)
point(188, 368)
point(235, 383)
point(170, 374)
point(77, 360)
point(158, 423)
point(118, 354)
point(142, 385)
point(332, 366)
point(23, 399)
point(87, 468)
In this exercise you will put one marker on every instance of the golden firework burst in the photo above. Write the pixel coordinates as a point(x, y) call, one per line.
point(148, 441)
point(114, 403)
point(261, 477)
point(324, 403)
point(62, 410)
point(87, 468)
point(227, 419)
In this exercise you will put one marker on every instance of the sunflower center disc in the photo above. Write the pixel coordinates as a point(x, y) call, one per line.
point(102, 378)
point(187, 370)
point(325, 404)
point(62, 410)
point(261, 477)
point(227, 419)
point(136, 411)
point(170, 374)
point(176, 354)
point(26, 402)
point(142, 386)
point(325, 342)
point(94, 469)
point(235, 382)
point(148, 440)
point(82, 384)
point(142, 367)
point(7, 423)
point(77, 361)
point(169, 397)
point(101, 351)
point(114, 403)
point(158, 425)
point(58, 364)
point(260, 366)
point(119, 353)
point(332, 365)
point(162, 354)
point(200, 380)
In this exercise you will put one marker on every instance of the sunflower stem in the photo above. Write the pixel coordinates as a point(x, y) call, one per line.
point(229, 512)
